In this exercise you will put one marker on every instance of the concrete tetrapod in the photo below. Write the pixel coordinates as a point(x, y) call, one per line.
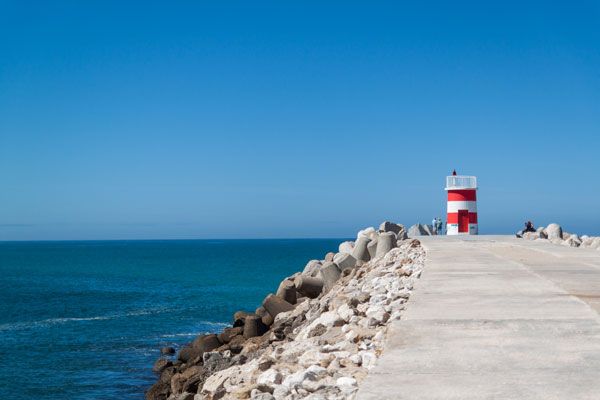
point(267, 319)
point(344, 261)
point(360, 251)
point(372, 247)
point(253, 327)
point(385, 242)
point(330, 273)
point(287, 291)
point(309, 286)
point(275, 305)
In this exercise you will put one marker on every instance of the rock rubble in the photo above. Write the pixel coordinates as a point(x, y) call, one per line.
point(554, 233)
point(316, 338)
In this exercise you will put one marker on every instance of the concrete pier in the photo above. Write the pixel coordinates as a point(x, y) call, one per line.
point(495, 317)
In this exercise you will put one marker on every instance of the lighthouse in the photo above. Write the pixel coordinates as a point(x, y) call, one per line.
point(462, 205)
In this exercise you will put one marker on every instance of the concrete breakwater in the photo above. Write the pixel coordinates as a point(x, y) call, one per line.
point(555, 234)
point(316, 337)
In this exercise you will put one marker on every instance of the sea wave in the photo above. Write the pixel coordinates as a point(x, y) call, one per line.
point(55, 321)
point(196, 333)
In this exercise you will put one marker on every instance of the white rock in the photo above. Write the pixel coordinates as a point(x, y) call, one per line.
point(368, 359)
point(345, 312)
point(346, 384)
point(258, 395)
point(279, 392)
point(313, 357)
point(270, 377)
point(377, 314)
point(554, 231)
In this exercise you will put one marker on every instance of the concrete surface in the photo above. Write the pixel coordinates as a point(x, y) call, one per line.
point(495, 317)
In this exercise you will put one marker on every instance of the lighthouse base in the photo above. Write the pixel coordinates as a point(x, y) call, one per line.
point(453, 229)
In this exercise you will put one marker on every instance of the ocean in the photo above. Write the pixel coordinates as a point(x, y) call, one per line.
point(87, 319)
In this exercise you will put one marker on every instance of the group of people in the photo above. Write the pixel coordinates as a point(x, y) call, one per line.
point(437, 226)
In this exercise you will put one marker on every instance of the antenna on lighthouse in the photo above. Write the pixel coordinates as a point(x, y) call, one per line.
point(462, 205)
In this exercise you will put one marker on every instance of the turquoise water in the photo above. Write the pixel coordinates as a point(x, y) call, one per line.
point(86, 320)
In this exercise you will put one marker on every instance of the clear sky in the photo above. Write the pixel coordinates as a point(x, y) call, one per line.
point(181, 119)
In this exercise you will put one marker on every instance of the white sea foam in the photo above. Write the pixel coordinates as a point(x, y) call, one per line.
point(196, 333)
point(55, 321)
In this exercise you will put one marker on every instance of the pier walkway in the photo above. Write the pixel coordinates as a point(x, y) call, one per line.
point(495, 317)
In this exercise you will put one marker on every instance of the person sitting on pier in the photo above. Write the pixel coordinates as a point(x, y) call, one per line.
point(528, 228)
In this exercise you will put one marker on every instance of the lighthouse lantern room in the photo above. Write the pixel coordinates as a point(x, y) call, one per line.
point(462, 205)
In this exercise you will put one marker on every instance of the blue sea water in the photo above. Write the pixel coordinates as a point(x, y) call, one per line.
point(86, 320)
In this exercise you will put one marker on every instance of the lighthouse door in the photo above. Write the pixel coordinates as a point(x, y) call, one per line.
point(463, 221)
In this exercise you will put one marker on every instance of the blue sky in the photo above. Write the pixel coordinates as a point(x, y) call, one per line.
point(182, 119)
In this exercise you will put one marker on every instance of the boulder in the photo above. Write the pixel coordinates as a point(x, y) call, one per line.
point(189, 353)
point(287, 291)
point(159, 391)
point(344, 261)
point(309, 286)
point(230, 333)
point(554, 231)
point(385, 242)
point(188, 380)
point(346, 247)
point(168, 350)
point(572, 241)
point(206, 342)
point(274, 305)
point(236, 344)
point(161, 364)
point(531, 235)
point(360, 251)
point(329, 273)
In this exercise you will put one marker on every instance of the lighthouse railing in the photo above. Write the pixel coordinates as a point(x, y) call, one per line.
point(461, 182)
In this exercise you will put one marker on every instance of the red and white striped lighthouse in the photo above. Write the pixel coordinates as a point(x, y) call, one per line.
point(462, 205)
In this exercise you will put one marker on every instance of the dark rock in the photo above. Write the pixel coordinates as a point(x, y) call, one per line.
point(159, 391)
point(189, 353)
point(317, 330)
point(188, 380)
point(167, 350)
point(229, 333)
point(167, 374)
point(236, 344)
point(206, 342)
point(161, 364)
